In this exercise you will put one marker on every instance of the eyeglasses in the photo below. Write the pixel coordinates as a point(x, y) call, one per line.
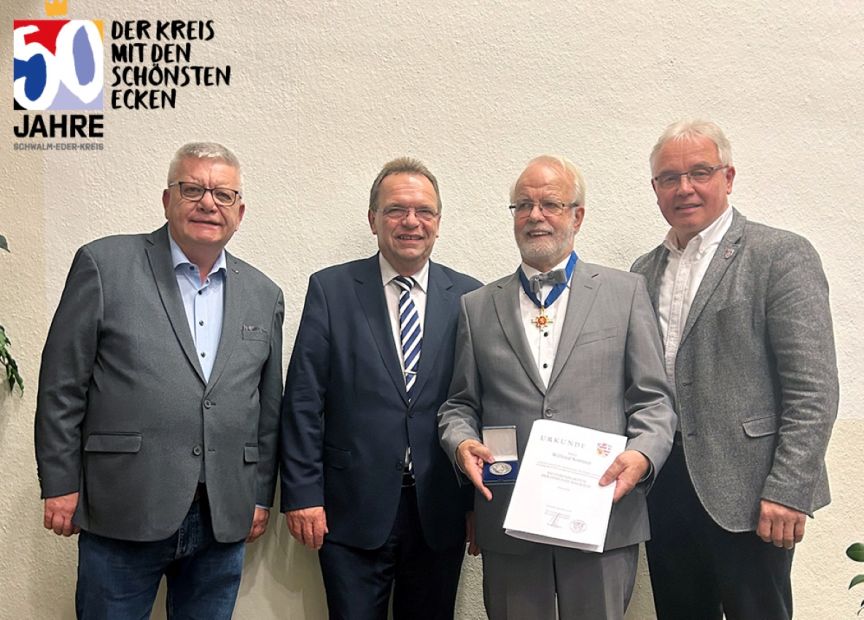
point(547, 207)
point(222, 196)
point(396, 213)
point(696, 176)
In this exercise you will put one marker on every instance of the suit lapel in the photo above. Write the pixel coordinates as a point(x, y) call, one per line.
point(438, 300)
point(583, 291)
point(370, 293)
point(723, 258)
point(229, 339)
point(506, 301)
point(159, 257)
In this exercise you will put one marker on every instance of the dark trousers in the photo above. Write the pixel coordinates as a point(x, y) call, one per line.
point(358, 582)
point(701, 571)
point(119, 578)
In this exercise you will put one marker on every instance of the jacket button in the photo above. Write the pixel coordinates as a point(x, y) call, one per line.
point(207, 404)
point(196, 450)
point(548, 413)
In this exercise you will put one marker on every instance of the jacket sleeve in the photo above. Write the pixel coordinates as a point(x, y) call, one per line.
point(64, 377)
point(270, 396)
point(801, 339)
point(459, 418)
point(302, 419)
point(651, 419)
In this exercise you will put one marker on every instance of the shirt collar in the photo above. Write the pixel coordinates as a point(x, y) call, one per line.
point(421, 277)
point(178, 257)
point(706, 239)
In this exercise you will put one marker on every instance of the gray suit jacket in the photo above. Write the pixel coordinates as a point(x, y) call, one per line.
point(756, 374)
point(608, 375)
point(124, 414)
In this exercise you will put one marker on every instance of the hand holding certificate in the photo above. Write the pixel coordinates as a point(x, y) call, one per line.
point(558, 499)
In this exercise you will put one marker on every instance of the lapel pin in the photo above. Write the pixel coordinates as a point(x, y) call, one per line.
point(729, 252)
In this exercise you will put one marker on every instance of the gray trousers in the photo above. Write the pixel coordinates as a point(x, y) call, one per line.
point(588, 585)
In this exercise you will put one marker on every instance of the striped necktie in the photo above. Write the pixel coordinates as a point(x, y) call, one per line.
point(410, 332)
point(411, 335)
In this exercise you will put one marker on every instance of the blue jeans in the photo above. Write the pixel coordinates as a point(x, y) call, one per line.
point(118, 579)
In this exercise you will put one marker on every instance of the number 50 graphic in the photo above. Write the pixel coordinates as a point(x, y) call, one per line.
point(59, 64)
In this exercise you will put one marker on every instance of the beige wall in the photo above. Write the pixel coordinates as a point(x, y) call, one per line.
point(323, 93)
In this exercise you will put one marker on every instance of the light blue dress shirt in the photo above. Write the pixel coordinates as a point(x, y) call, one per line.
point(204, 304)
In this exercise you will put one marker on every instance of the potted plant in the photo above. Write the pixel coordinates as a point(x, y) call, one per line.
point(10, 366)
point(856, 552)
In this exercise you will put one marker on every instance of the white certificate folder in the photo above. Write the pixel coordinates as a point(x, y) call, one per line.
point(557, 499)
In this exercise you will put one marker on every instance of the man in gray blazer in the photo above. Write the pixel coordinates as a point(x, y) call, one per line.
point(586, 351)
point(743, 309)
point(158, 406)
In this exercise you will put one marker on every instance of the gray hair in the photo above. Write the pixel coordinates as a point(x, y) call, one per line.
point(694, 128)
point(402, 165)
point(567, 169)
point(203, 150)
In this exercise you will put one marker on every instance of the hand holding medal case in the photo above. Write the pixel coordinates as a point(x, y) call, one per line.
point(501, 441)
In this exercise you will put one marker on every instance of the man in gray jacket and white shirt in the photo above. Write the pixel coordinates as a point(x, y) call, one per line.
point(749, 350)
point(585, 351)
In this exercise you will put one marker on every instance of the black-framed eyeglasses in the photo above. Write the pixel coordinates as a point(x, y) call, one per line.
point(398, 212)
point(222, 196)
point(696, 176)
point(547, 207)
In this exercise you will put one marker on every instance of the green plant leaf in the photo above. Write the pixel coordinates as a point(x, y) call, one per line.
point(856, 580)
point(856, 552)
point(8, 362)
point(3, 244)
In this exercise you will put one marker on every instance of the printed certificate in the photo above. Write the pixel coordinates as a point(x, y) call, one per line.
point(557, 499)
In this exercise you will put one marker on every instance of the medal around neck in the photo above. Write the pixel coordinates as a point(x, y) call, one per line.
point(501, 441)
point(542, 321)
point(558, 278)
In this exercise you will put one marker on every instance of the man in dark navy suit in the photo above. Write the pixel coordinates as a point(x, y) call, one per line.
point(364, 479)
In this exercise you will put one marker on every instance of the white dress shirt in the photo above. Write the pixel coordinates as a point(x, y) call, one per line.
point(543, 342)
point(681, 279)
point(392, 292)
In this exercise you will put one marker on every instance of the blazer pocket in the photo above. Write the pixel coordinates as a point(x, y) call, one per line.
point(253, 332)
point(600, 334)
point(337, 458)
point(760, 427)
point(113, 442)
point(250, 454)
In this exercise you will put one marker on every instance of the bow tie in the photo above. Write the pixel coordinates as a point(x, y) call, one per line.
point(556, 276)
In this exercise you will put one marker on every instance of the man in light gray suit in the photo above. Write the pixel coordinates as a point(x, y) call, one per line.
point(158, 404)
point(743, 309)
point(585, 351)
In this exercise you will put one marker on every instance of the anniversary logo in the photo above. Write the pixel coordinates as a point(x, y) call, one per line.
point(59, 66)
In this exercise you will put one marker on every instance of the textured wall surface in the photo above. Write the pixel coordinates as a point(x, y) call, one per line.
point(322, 93)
